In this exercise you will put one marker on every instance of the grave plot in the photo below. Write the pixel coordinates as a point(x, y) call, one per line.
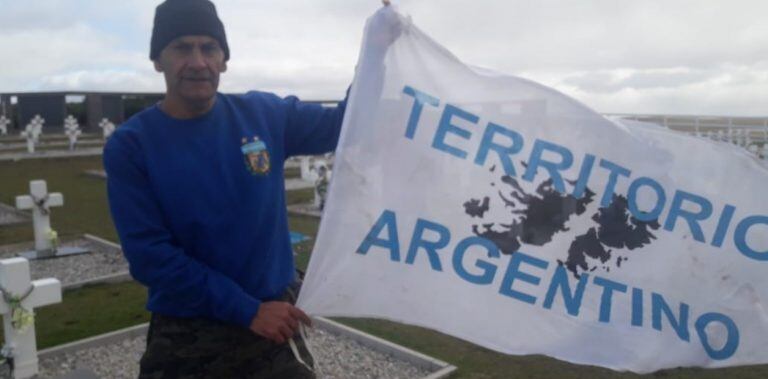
point(72, 138)
point(32, 144)
point(75, 262)
point(104, 262)
point(339, 352)
point(39, 201)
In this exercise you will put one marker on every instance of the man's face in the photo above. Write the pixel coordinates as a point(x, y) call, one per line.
point(191, 65)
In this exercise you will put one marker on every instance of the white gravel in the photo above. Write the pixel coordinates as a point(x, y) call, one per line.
point(337, 357)
point(101, 261)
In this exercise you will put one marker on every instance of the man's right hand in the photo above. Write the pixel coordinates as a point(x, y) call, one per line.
point(278, 321)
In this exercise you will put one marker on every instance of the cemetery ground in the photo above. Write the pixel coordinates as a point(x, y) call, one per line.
point(102, 308)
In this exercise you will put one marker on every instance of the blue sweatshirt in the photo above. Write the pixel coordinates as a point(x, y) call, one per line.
point(199, 204)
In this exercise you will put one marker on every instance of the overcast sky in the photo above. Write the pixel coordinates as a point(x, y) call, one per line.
point(667, 56)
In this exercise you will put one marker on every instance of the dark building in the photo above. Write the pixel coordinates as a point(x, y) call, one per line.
point(20, 108)
point(89, 108)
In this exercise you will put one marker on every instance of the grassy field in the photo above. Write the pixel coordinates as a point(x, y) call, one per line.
point(98, 309)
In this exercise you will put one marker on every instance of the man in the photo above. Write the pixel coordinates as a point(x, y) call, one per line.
point(196, 191)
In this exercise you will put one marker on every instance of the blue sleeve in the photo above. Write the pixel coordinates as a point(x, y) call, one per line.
point(154, 258)
point(312, 129)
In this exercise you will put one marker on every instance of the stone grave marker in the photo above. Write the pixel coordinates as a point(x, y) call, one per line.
point(321, 184)
point(32, 132)
point(4, 122)
point(46, 239)
point(318, 172)
point(308, 171)
point(72, 131)
point(19, 299)
point(107, 128)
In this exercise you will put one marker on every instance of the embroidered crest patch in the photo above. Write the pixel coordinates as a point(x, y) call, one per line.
point(256, 156)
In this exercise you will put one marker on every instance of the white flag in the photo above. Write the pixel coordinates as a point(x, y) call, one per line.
point(500, 211)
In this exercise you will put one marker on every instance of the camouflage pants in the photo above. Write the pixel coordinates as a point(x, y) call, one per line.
point(204, 348)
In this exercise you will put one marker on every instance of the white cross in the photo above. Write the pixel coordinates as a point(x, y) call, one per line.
point(323, 179)
point(71, 123)
point(72, 131)
point(15, 278)
point(40, 201)
point(4, 122)
point(37, 125)
point(308, 171)
point(107, 127)
point(72, 134)
point(32, 132)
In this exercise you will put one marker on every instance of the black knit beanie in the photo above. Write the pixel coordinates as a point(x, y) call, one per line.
point(176, 18)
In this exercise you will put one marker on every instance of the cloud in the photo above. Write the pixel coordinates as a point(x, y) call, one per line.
point(607, 81)
point(104, 80)
point(36, 53)
point(725, 91)
point(591, 35)
point(654, 56)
